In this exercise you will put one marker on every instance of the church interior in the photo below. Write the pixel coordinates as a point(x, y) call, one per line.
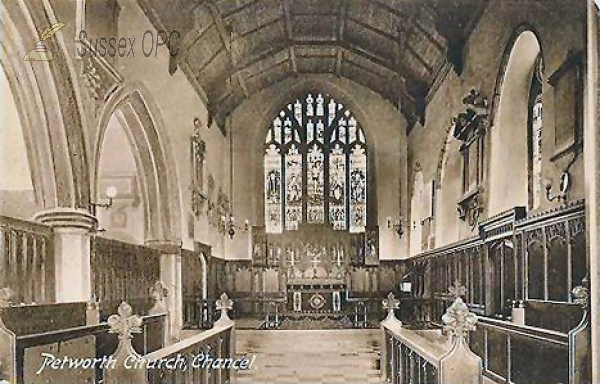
point(344, 191)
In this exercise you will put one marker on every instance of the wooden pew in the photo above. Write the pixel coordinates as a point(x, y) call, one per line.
point(64, 330)
point(182, 364)
point(424, 357)
point(529, 354)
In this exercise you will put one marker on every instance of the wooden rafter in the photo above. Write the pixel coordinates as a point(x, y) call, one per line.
point(340, 36)
point(407, 47)
point(225, 39)
point(289, 34)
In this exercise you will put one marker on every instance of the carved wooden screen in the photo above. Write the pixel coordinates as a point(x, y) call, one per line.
point(555, 258)
point(315, 167)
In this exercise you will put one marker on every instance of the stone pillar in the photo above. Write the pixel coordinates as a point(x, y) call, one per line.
point(72, 251)
point(592, 169)
point(170, 275)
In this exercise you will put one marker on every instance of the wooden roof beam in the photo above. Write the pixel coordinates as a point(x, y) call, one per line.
point(226, 40)
point(343, 16)
point(289, 32)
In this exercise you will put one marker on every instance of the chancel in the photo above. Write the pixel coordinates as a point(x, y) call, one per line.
point(344, 191)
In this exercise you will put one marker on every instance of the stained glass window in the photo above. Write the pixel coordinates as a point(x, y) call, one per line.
point(535, 138)
point(315, 167)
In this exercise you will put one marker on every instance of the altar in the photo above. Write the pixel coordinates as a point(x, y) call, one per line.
point(315, 297)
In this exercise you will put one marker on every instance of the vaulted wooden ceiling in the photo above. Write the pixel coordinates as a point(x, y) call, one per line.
point(230, 49)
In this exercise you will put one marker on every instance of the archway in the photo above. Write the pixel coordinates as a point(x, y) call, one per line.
point(48, 109)
point(383, 129)
point(158, 188)
point(125, 219)
point(509, 154)
point(17, 196)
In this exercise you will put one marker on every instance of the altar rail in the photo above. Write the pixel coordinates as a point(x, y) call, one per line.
point(27, 260)
point(123, 272)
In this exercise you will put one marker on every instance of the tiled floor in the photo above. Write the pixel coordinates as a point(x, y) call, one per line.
point(309, 357)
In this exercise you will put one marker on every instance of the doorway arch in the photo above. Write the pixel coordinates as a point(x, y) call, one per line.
point(157, 172)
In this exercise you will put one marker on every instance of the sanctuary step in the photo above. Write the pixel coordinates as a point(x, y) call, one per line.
point(309, 356)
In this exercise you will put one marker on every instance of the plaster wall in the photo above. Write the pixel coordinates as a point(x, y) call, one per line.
point(436, 153)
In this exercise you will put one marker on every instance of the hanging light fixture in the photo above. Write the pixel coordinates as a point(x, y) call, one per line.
point(231, 220)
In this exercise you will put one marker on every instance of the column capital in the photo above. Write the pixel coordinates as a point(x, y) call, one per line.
point(170, 247)
point(68, 218)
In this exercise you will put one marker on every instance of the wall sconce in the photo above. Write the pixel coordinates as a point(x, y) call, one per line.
point(229, 223)
point(563, 188)
point(397, 226)
point(111, 193)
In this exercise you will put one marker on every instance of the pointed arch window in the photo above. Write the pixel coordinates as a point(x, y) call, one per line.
point(535, 122)
point(315, 166)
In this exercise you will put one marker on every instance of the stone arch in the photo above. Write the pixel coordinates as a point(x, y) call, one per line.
point(279, 95)
point(144, 128)
point(508, 176)
point(48, 106)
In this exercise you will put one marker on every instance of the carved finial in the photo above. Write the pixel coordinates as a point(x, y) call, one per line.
point(581, 294)
point(458, 320)
point(224, 304)
point(125, 324)
point(159, 291)
point(457, 290)
point(391, 303)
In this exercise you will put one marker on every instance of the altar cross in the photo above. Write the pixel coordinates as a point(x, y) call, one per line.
point(315, 261)
point(292, 259)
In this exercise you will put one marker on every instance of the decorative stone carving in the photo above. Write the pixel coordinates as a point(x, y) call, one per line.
point(198, 151)
point(125, 323)
point(581, 296)
point(470, 127)
point(457, 319)
point(224, 304)
point(159, 293)
point(391, 303)
point(100, 79)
